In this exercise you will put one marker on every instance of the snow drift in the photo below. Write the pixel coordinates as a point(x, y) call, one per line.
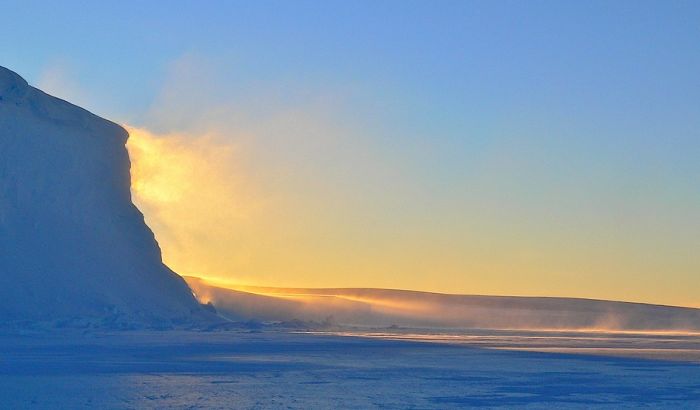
point(73, 247)
point(386, 307)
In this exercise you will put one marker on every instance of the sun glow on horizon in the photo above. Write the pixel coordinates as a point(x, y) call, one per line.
point(217, 217)
point(434, 310)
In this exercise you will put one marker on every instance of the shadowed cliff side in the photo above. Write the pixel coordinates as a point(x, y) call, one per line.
point(74, 249)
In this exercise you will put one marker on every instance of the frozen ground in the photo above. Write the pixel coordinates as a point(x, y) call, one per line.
point(284, 369)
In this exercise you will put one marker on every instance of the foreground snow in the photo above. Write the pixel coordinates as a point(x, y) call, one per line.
point(283, 369)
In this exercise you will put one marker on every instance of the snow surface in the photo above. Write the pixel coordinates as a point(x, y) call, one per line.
point(74, 250)
point(384, 307)
point(267, 369)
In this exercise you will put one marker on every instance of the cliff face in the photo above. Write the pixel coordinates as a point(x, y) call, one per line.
point(72, 245)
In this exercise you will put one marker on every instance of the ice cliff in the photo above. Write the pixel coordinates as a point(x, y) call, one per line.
point(73, 247)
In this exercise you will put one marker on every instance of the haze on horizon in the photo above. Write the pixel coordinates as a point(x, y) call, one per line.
point(539, 149)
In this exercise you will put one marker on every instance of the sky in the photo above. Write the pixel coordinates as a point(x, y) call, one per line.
point(496, 147)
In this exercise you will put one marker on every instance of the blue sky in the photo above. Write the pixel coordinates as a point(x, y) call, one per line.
point(556, 133)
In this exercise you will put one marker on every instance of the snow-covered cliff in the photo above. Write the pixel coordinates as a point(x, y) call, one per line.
point(73, 247)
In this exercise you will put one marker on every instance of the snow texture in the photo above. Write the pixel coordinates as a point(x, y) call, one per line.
point(74, 250)
point(385, 307)
point(280, 370)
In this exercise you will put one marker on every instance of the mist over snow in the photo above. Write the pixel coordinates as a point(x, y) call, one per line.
point(74, 250)
point(386, 307)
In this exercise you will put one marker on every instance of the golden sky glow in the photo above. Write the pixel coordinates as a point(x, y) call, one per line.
point(216, 216)
point(191, 197)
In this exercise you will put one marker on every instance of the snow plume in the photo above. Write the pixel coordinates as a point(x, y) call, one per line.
point(191, 193)
point(239, 183)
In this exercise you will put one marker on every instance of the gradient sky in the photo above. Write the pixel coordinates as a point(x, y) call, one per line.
point(496, 147)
